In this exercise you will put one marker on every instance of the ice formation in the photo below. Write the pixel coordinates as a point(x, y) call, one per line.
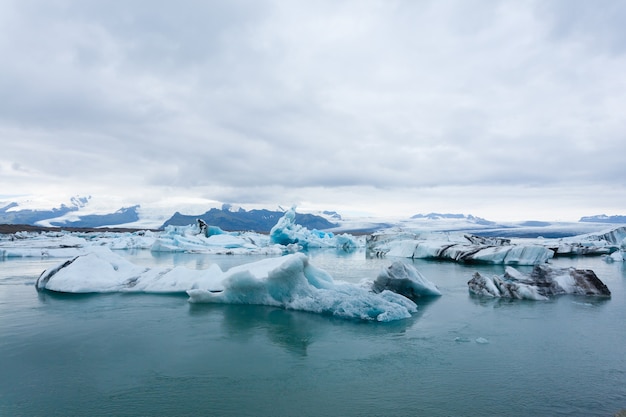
point(404, 279)
point(102, 271)
point(291, 282)
point(603, 243)
point(201, 238)
point(70, 244)
point(287, 232)
point(286, 237)
point(455, 247)
point(542, 283)
point(288, 281)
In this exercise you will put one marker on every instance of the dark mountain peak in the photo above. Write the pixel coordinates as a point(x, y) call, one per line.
point(261, 220)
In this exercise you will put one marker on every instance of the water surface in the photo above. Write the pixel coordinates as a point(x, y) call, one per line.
point(139, 354)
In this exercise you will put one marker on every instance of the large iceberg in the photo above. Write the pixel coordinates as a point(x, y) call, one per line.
point(288, 281)
point(291, 282)
point(543, 282)
point(102, 271)
point(455, 247)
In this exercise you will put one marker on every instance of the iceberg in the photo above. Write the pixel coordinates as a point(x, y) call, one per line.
point(455, 247)
point(543, 282)
point(202, 238)
point(288, 281)
point(605, 242)
point(70, 244)
point(287, 232)
point(25, 244)
point(406, 280)
point(619, 256)
point(102, 271)
point(285, 237)
point(291, 282)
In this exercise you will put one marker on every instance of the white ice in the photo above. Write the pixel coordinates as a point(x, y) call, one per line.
point(455, 247)
point(288, 281)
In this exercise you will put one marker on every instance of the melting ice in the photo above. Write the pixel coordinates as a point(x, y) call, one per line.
point(288, 281)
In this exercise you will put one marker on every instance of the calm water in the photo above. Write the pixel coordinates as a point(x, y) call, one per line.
point(138, 355)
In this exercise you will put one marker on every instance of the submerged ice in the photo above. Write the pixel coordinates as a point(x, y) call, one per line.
point(288, 281)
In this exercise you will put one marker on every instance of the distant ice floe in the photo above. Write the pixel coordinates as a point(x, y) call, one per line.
point(288, 232)
point(288, 281)
point(467, 248)
point(455, 247)
point(606, 242)
point(197, 239)
point(286, 237)
point(70, 244)
point(542, 283)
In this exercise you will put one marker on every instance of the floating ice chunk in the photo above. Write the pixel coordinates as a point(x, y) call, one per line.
point(193, 238)
point(291, 282)
point(288, 282)
point(614, 257)
point(404, 279)
point(286, 232)
point(102, 271)
point(455, 247)
point(603, 243)
point(24, 244)
point(542, 283)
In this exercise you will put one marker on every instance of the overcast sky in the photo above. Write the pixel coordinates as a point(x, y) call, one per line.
point(508, 110)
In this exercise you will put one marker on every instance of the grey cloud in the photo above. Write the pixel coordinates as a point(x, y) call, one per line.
point(599, 24)
point(252, 98)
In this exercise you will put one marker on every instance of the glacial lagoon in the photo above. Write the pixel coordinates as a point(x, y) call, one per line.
point(145, 354)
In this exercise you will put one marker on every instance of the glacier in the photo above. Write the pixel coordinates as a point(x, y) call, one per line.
point(288, 281)
point(543, 282)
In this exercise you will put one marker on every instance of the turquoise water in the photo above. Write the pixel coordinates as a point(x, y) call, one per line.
point(138, 355)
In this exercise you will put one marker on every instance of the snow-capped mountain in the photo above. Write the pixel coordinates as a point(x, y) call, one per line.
point(603, 218)
point(92, 212)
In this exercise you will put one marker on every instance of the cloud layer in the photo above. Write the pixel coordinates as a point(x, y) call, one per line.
point(453, 105)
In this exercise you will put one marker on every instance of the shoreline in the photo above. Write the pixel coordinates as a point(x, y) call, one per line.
point(7, 229)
